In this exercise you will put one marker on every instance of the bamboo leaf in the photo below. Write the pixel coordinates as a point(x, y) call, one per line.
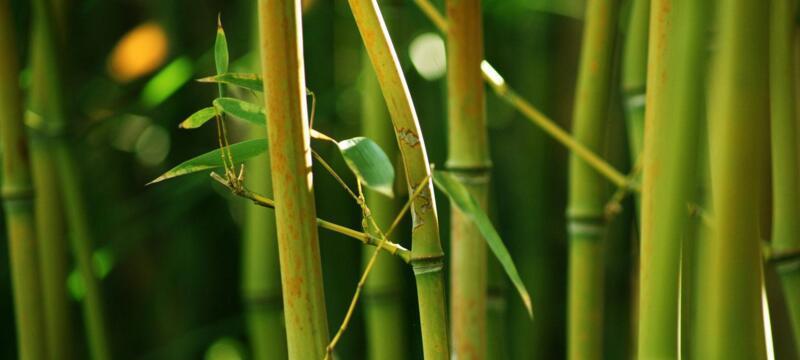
point(198, 118)
point(213, 159)
point(244, 110)
point(467, 204)
point(369, 163)
point(242, 80)
point(221, 49)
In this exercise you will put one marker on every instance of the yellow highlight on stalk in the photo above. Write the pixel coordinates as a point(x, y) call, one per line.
point(141, 51)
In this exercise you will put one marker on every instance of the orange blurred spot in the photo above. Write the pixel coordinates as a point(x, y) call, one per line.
point(139, 52)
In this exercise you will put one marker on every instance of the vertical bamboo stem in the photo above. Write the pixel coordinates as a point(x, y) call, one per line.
point(468, 157)
point(298, 245)
point(427, 250)
point(48, 111)
point(738, 106)
point(587, 189)
point(786, 195)
point(17, 196)
point(634, 80)
point(383, 303)
point(673, 118)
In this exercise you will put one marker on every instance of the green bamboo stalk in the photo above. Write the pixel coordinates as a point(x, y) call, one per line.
point(786, 195)
point(468, 157)
point(298, 245)
point(673, 118)
point(383, 302)
point(587, 189)
point(427, 251)
point(17, 195)
point(730, 316)
point(48, 118)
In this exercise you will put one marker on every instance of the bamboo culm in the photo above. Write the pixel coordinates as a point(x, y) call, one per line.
point(468, 158)
point(427, 254)
point(281, 49)
point(47, 109)
point(786, 195)
point(587, 188)
point(731, 322)
point(17, 196)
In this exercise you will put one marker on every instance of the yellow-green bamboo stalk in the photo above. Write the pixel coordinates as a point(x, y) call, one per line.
point(634, 80)
point(47, 116)
point(468, 158)
point(786, 195)
point(281, 49)
point(673, 118)
point(17, 196)
point(384, 311)
point(426, 250)
point(731, 316)
point(587, 188)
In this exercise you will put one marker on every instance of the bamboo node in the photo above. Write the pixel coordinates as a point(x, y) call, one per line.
point(16, 193)
point(427, 264)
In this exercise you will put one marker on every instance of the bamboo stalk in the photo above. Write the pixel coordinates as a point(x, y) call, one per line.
point(468, 157)
point(384, 310)
point(298, 245)
point(786, 195)
point(587, 189)
point(673, 119)
point(426, 250)
point(17, 196)
point(731, 315)
point(261, 279)
point(48, 117)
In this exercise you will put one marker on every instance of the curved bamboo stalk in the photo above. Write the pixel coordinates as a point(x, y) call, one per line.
point(674, 114)
point(426, 250)
point(48, 117)
point(17, 196)
point(786, 195)
point(298, 245)
point(730, 317)
point(587, 189)
point(468, 158)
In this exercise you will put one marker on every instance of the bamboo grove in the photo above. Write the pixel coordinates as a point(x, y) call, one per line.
point(397, 179)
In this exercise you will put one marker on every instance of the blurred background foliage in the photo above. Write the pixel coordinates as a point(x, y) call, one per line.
point(169, 254)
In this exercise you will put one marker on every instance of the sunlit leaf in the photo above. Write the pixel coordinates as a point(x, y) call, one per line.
point(248, 81)
point(198, 118)
point(221, 49)
point(369, 163)
point(244, 110)
point(211, 160)
point(465, 202)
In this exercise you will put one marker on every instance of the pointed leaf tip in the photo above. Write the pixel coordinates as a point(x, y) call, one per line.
point(213, 159)
point(369, 163)
point(199, 118)
point(465, 202)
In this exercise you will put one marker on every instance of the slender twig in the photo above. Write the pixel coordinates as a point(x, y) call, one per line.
point(501, 89)
point(614, 205)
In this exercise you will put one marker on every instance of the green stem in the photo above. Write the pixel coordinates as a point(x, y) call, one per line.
point(49, 117)
point(383, 301)
point(468, 157)
point(426, 250)
point(731, 317)
point(587, 188)
point(298, 244)
point(674, 115)
point(17, 196)
point(786, 195)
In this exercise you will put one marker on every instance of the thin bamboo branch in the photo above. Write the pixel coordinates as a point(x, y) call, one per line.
point(468, 157)
point(587, 193)
point(17, 197)
point(426, 250)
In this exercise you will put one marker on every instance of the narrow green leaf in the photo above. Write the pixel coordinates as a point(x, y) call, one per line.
point(244, 110)
point(369, 163)
point(221, 49)
point(243, 80)
point(213, 159)
point(465, 202)
point(198, 118)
